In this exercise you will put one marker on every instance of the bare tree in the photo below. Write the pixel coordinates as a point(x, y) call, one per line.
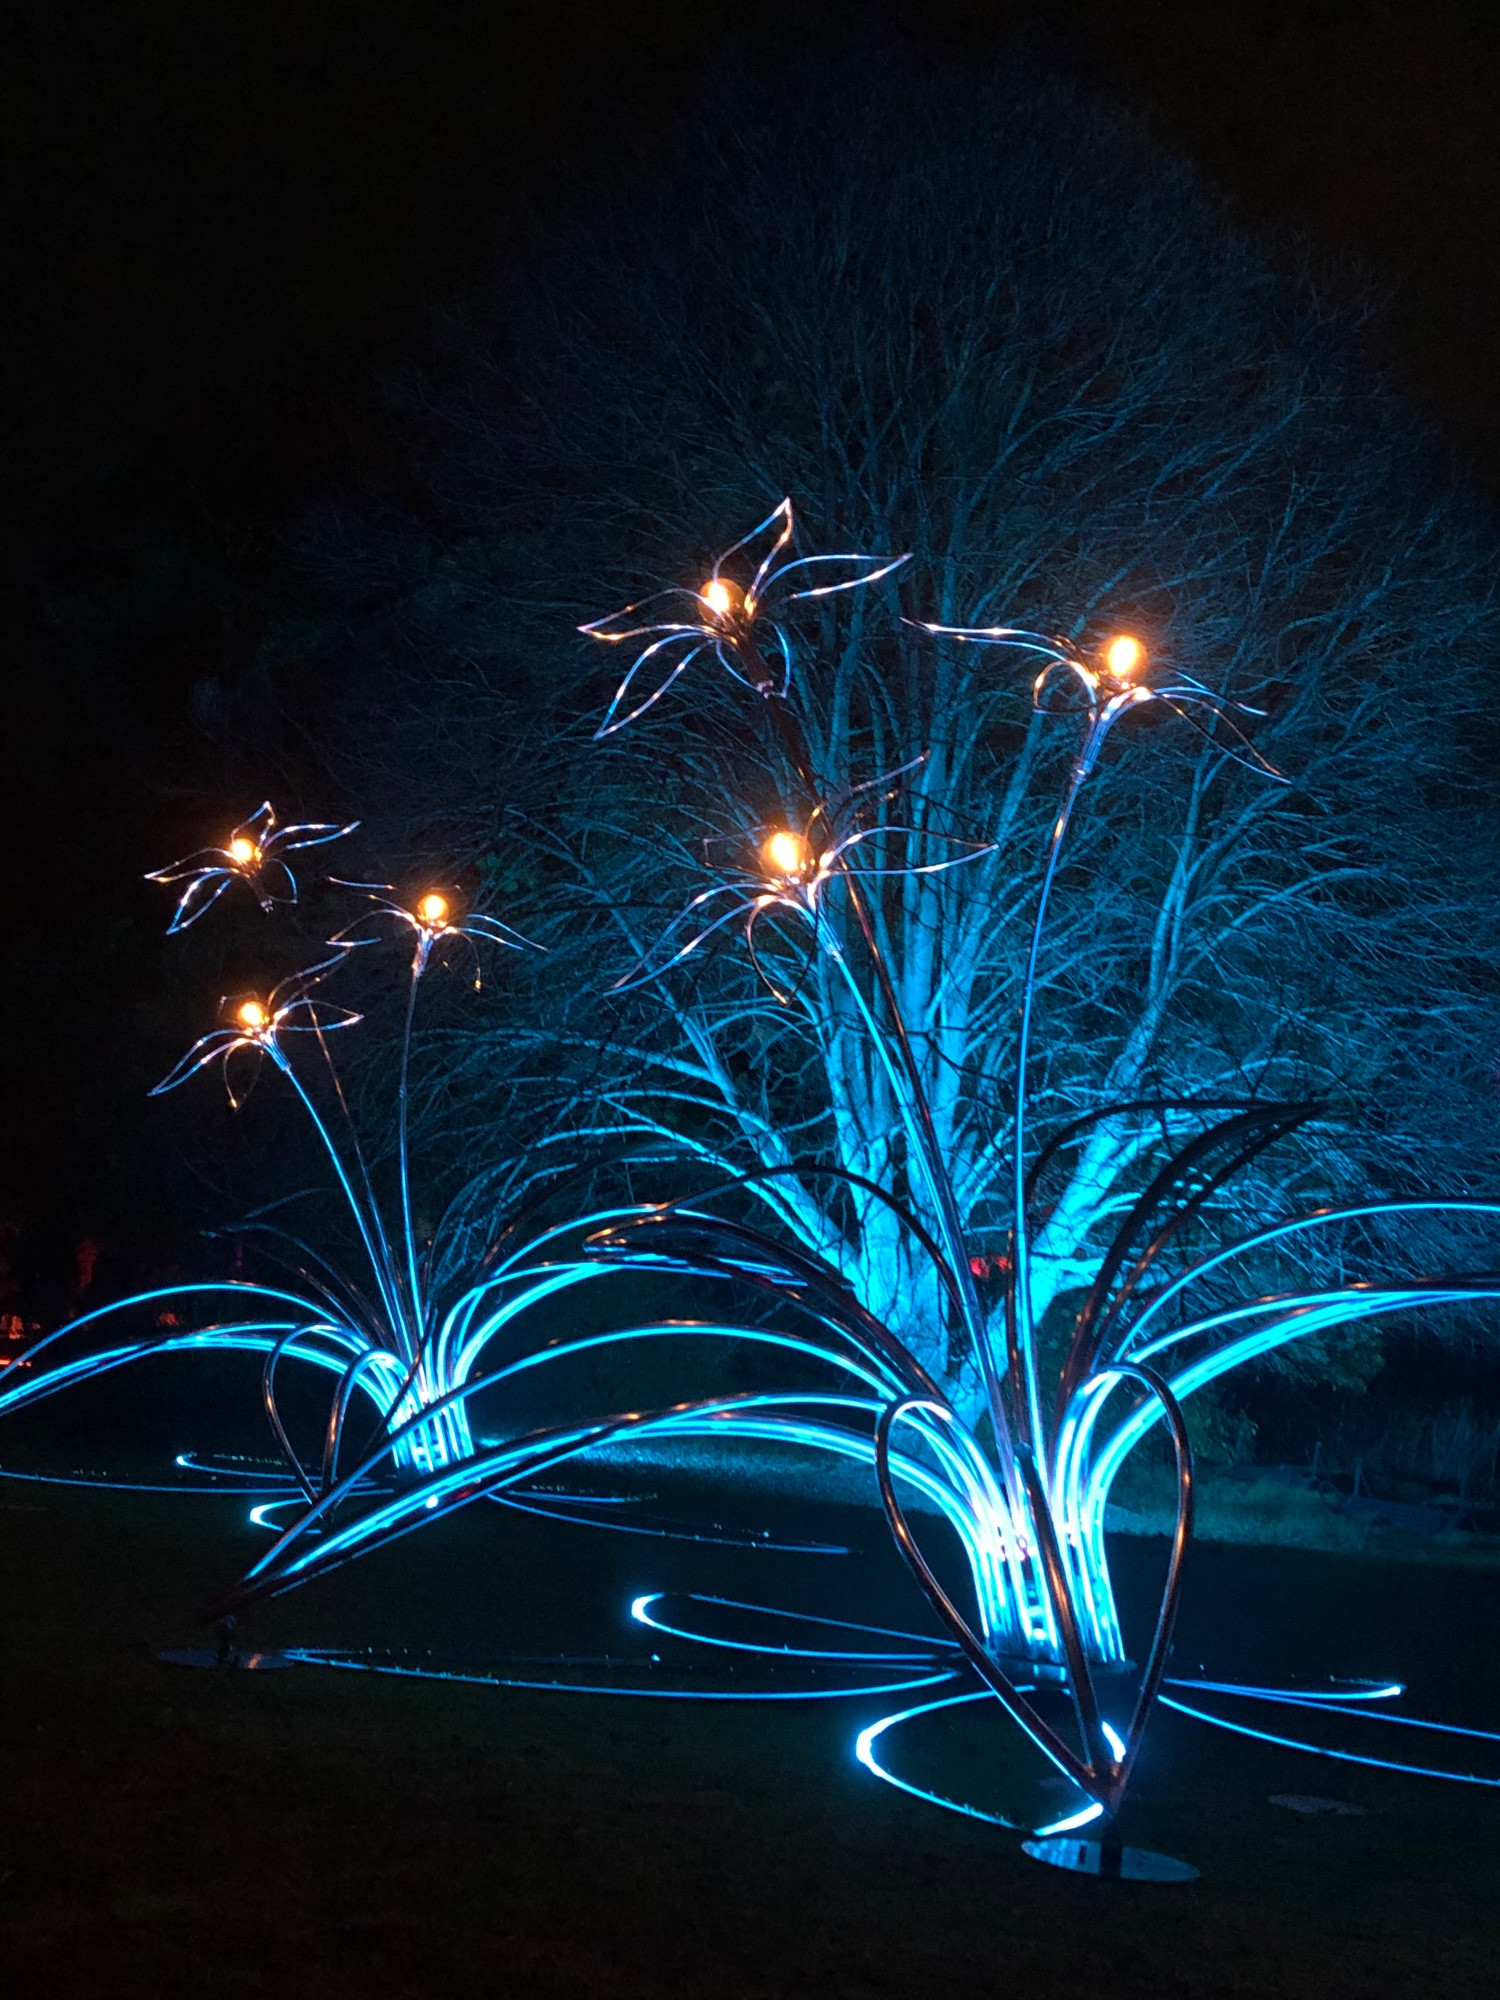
point(984, 320)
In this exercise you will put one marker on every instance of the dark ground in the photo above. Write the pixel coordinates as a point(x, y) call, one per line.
point(310, 1832)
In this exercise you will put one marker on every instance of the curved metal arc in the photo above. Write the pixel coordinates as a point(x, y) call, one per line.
point(871, 1734)
point(1181, 699)
point(1338, 1756)
point(246, 1338)
point(237, 1287)
point(842, 1309)
point(1257, 1129)
point(273, 1413)
point(1275, 1127)
point(1065, 1617)
point(366, 1218)
point(1015, 1704)
point(918, 1112)
point(671, 1416)
point(783, 996)
point(1338, 1309)
point(324, 1280)
point(674, 1329)
point(403, 1164)
point(1123, 1108)
point(523, 1458)
point(820, 1170)
point(1258, 1239)
point(1018, 1287)
point(541, 1196)
point(338, 1410)
point(1166, 1618)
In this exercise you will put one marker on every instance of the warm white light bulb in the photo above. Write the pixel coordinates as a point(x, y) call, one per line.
point(717, 595)
point(1124, 656)
point(243, 851)
point(786, 853)
point(253, 1016)
point(433, 909)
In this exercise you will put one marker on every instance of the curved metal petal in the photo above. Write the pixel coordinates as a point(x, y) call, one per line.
point(312, 833)
point(200, 861)
point(1180, 702)
point(634, 623)
point(865, 569)
point(761, 546)
point(314, 1017)
point(207, 1048)
point(201, 893)
point(690, 636)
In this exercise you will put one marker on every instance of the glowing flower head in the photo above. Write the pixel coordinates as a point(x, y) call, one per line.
point(255, 1026)
point(794, 870)
point(252, 855)
point(739, 623)
point(1124, 658)
point(1118, 685)
point(430, 917)
point(787, 856)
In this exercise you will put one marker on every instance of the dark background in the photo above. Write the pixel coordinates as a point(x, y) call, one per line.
point(220, 221)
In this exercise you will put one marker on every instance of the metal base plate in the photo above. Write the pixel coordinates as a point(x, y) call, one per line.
point(1086, 1857)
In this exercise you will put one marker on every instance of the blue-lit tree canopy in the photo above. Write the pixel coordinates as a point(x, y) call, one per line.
point(1010, 337)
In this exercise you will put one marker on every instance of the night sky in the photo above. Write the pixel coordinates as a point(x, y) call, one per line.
point(220, 221)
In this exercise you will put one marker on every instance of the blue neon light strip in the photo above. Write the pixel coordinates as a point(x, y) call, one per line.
point(317, 1659)
point(1343, 1756)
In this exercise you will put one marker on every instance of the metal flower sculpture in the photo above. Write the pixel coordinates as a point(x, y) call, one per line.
point(252, 855)
point(1029, 1506)
point(1023, 1483)
point(740, 622)
point(398, 1329)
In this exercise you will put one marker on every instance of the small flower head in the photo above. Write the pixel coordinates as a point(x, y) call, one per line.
point(254, 1027)
point(431, 918)
point(723, 600)
point(1124, 659)
point(1117, 683)
point(252, 855)
point(740, 623)
point(788, 857)
point(793, 869)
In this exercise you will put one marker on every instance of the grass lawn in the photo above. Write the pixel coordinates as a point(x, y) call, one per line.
point(168, 1832)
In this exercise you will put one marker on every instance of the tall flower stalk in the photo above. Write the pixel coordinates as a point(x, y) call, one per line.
point(1027, 1480)
point(392, 1329)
